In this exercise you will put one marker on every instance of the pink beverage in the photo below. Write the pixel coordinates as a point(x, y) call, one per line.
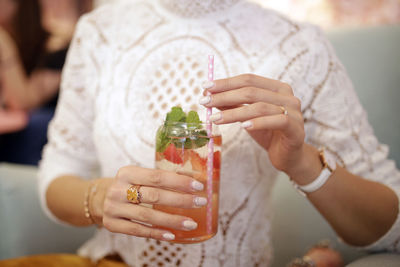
point(182, 147)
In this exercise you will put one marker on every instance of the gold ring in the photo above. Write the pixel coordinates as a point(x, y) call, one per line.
point(284, 110)
point(133, 195)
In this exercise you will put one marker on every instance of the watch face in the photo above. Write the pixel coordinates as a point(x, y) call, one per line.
point(329, 159)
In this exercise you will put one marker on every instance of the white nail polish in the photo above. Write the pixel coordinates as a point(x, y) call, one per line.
point(207, 84)
point(216, 117)
point(247, 124)
point(197, 186)
point(168, 236)
point(200, 201)
point(189, 225)
point(205, 100)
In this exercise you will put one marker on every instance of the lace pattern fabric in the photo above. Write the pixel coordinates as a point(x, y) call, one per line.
point(131, 61)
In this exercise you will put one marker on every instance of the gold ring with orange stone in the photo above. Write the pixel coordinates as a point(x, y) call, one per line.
point(133, 195)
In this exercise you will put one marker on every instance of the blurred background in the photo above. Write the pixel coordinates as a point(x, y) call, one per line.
point(34, 40)
point(330, 14)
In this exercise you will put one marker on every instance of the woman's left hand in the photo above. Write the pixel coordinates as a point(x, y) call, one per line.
point(267, 109)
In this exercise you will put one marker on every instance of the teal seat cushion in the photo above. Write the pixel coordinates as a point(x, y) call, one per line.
point(371, 57)
point(24, 228)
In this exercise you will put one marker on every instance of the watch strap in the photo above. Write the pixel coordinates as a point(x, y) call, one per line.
point(317, 183)
point(329, 165)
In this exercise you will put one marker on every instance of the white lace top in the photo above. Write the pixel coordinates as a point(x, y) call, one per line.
point(131, 61)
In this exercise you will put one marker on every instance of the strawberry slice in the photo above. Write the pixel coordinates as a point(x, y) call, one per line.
point(171, 154)
point(217, 159)
point(198, 163)
point(218, 141)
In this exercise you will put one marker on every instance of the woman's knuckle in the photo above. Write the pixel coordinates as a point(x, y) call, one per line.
point(152, 233)
point(249, 94)
point(121, 173)
point(134, 230)
point(182, 200)
point(113, 192)
point(144, 215)
point(156, 177)
point(152, 196)
point(107, 207)
point(296, 103)
point(247, 78)
point(260, 108)
point(287, 87)
point(229, 114)
point(125, 172)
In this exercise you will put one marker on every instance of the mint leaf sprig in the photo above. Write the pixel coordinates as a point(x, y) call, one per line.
point(176, 115)
point(181, 129)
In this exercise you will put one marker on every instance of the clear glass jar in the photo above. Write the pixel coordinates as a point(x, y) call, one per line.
point(184, 148)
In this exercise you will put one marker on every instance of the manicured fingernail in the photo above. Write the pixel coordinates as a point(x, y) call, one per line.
point(247, 124)
point(216, 117)
point(189, 225)
point(197, 186)
point(205, 100)
point(168, 236)
point(207, 84)
point(200, 201)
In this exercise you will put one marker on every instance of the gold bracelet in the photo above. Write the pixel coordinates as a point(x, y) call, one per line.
point(91, 190)
point(90, 204)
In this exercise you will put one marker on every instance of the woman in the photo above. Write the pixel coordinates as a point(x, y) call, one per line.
point(131, 61)
point(29, 79)
point(23, 43)
point(31, 60)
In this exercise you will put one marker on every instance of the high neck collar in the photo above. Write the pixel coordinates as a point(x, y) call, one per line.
point(196, 8)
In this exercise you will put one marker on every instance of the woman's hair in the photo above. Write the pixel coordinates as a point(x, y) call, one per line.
point(29, 34)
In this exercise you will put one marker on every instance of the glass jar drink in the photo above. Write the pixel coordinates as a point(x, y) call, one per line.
point(183, 147)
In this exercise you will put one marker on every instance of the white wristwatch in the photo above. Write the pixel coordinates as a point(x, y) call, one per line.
point(329, 165)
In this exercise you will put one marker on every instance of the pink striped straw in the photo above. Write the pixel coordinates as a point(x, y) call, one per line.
point(210, 159)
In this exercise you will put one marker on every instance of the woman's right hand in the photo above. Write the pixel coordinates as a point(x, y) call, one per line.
point(12, 120)
point(157, 187)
